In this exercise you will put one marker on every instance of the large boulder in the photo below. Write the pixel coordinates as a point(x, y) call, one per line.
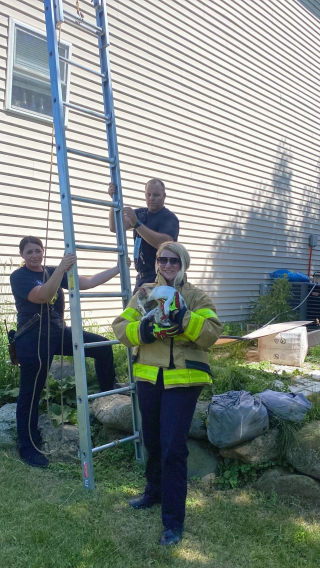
point(67, 370)
point(8, 426)
point(289, 485)
point(115, 412)
point(262, 449)
point(60, 444)
point(201, 462)
point(304, 451)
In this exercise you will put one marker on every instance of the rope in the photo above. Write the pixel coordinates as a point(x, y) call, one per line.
point(48, 317)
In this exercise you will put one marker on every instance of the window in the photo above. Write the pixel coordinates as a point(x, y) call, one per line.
point(28, 83)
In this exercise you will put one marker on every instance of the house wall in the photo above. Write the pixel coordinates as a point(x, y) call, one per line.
point(220, 99)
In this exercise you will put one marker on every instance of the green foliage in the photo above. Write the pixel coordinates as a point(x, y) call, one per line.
point(314, 355)
point(255, 380)
point(9, 374)
point(56, 392)
point(314, 412)
point(236, 328)
point(233, 473)
point(275, 302)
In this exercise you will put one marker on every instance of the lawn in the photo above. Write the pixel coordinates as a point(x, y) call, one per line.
point(49, 521)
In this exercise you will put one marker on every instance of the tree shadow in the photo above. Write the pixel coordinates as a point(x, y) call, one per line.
point(272, 232)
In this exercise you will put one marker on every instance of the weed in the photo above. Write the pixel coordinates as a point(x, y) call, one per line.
point(233, 473)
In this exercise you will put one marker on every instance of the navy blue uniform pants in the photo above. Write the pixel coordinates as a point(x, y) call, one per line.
point(166, 420)
point(141, 280)
point(27, 351)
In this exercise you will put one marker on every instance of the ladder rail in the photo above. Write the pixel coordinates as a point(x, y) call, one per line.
point(54, 15)
point(68, 229)
point(104, 41)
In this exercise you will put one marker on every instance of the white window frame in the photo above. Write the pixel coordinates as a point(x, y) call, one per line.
point(29, 114)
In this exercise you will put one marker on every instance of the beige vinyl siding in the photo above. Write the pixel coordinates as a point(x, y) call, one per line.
point(218, 98)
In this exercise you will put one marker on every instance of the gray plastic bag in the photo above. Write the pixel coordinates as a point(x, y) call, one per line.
point(234, 417)
point(285, 405)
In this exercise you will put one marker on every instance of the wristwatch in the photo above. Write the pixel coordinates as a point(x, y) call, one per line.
point(138, 224)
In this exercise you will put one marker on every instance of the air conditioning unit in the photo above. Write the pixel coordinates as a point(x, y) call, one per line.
point(310, 309)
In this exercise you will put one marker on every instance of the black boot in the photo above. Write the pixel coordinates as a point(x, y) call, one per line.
point(170, 536)
point(34, 458)
point(144, 501)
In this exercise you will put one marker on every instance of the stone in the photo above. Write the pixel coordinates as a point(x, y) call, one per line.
point(67, 370)
point(208, 479)
point(59, 444)
point(201, 462)
point(114, 411)
point(289, 485)
point(8, 425)
point(262, 449)
point(304, 451)
point(198, 428)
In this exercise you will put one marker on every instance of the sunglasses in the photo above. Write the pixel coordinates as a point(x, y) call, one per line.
point(162, 261)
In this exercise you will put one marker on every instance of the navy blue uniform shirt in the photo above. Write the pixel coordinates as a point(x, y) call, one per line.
point(161, 222)
point(22, 282)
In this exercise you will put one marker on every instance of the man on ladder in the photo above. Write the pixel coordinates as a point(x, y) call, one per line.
point(152, 226)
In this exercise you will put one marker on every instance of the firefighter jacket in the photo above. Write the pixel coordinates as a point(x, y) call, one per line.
point(183, 357)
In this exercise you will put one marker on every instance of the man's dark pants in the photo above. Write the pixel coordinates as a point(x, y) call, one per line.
point(166, 420)
point(140, 280)
point(27, 351)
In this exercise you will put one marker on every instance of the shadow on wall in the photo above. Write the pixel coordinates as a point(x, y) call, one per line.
point(310, 6)
point(270, 233)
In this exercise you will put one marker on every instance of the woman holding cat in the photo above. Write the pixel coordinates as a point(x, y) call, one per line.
point(170, 368)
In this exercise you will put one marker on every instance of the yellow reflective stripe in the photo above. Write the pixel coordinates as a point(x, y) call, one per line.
point(194, 327)
point(130, 314)
point(206, 313)
point(172, 376)
point(185, 376)
point(145, 372)
point(132, 332)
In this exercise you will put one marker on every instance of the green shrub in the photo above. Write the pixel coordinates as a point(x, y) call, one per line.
point(274, 303)
point(233, 473)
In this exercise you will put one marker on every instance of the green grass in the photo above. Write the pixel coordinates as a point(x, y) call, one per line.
point(49, 521)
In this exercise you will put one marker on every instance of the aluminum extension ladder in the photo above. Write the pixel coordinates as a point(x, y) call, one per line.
point(55, 16)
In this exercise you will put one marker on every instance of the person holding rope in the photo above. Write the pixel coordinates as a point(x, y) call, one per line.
point(39, 300)
point(170, 368)
point(152, 226)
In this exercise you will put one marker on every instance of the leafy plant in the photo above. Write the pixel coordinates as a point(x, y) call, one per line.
point(233, 473)
point(274, 303)
point(51, 398)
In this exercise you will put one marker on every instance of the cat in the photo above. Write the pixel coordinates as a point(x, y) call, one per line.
point(154, 303)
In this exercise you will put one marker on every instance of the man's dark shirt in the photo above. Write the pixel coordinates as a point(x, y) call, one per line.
point(161, 222)
point(22, 282)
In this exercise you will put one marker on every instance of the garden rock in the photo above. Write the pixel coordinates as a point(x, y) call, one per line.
point(115, 412)
point(262, 449)
point(59, 444)
point(67, 370)
point(198, 428)
point(289, 485)
point(201, 463)
point(304, 451)
point(8, 426)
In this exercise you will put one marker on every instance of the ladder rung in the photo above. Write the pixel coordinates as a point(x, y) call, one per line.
point(91, 156)
point(105, 117)
point(119, 250)
point(109, 393)
point(78, 21)
point(70, 62)
point(116, 443)
point(104, 295)
point(102, 343)
point(95, 201)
